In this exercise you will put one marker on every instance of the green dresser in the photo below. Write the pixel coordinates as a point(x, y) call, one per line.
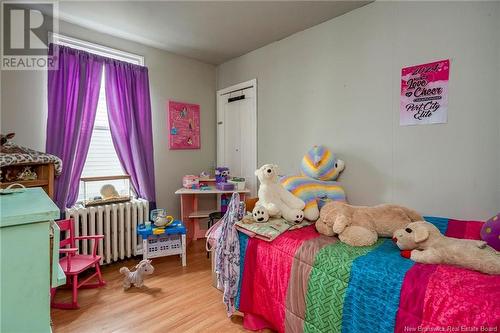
point(26, 220)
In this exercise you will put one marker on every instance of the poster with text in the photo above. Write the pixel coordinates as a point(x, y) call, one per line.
point(184, 125)
point(424, 94)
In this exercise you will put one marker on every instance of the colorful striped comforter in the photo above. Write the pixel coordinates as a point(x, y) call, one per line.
point(307, 282)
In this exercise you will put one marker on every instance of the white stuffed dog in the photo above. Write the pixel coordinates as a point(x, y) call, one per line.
point(275, 199)
point(136, 278)
point(423, 242)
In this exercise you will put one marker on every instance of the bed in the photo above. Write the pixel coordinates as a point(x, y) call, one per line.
point(307, 282)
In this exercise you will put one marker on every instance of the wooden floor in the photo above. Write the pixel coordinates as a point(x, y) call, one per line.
point(176, 299)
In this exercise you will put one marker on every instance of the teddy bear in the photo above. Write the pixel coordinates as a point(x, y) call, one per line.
point(275, 199)
point(319, 168)
point(360, 225)
point(423, 242)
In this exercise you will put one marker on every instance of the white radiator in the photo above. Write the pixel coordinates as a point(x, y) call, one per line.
point(117, 222)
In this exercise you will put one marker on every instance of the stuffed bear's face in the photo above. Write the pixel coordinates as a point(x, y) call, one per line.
point(260, 214)
point(267, 173)
point(413, 235)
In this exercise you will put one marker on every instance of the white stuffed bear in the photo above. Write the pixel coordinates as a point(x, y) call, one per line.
point(260, 214)
point(275, 199)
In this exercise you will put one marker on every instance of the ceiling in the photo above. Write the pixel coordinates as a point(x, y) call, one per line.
point(212, 32)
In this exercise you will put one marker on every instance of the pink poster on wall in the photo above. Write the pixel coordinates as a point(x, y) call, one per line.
point(183, 125)
point(424, 93)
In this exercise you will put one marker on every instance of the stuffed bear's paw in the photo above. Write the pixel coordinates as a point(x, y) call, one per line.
point(294, 215)
point(260, 214)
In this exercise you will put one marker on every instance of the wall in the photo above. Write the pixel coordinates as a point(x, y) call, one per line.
point(338, 83)
point(24, 108)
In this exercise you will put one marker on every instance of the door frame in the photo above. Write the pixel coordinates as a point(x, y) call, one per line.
point(220, 117)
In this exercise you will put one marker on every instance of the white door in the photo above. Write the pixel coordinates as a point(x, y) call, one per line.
point(237, 131)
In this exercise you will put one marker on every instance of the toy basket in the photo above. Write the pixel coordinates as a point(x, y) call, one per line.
point(239, 183)
point(163, 245)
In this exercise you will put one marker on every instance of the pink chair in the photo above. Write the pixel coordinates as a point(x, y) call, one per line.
point(73, 264)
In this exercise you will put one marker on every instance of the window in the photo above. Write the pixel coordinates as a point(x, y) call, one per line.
point(102, 159)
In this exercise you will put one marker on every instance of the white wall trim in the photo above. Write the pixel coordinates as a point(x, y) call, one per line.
point(96, 49)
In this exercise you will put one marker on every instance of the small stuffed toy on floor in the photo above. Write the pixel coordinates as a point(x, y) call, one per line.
point(423, 242)
point(274, 199)
point(360, 225)
point(136, 278)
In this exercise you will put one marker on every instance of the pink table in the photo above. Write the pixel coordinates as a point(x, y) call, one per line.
point(190, 214)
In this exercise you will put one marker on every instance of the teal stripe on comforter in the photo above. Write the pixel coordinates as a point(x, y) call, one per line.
point(243, 249)
point(372, 298)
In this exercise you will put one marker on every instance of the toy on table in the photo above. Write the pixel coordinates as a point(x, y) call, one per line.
point(490, 232)
point(205, 187)
point(224, 186)
point(238, 182)
point(160, 218)
point(191, 182)
point(423, 242)
point(360, 225)
point(204, 175)
point(136, 277)
point(221, 174)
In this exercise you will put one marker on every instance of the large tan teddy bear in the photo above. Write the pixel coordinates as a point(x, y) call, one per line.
point(360, 225)
point(423, 242)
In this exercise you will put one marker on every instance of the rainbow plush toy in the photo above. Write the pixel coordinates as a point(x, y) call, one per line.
point(319, 169)
point(320, 163)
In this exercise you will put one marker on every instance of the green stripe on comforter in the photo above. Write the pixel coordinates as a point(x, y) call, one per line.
point(327, 286)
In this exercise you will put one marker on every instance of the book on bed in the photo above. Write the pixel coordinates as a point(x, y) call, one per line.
point(269, 230)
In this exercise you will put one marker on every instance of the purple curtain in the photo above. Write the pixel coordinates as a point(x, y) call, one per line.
point(129, 113)
point(73, 91)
